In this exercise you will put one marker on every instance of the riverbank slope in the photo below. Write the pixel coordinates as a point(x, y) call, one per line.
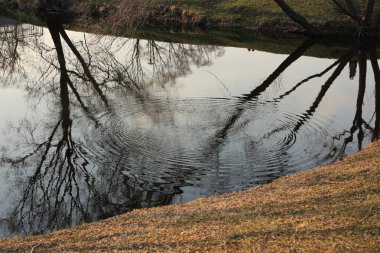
point(334, 208)
point(257, 15)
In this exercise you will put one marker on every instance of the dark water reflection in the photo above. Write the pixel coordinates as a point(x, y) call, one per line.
point(93, 126)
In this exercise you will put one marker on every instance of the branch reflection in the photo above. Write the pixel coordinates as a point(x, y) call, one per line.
point(110, 144)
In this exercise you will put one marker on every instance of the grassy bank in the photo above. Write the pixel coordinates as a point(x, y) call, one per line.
point(253, 12)
point(259, 15)
point(267, 15)
point(335, 208)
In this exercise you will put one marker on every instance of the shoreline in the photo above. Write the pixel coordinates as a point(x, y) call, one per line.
point(332, 208)
point(98, 18)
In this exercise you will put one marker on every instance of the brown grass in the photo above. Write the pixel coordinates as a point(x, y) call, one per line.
point(132, 13)
point(330, 209)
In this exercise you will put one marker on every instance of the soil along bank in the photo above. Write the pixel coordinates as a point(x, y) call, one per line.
point(334, 208)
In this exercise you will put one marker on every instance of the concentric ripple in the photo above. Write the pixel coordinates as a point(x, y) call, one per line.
point(212, 145)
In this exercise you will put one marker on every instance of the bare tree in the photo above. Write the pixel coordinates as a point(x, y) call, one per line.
point(347, 8)
point(362, 20)
point(311, 29)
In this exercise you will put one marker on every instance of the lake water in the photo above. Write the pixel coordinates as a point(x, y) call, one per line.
point(94, 126)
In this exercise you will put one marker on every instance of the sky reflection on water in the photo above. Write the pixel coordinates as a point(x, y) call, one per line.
point(93, 126)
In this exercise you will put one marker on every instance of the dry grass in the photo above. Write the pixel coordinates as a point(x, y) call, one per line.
point(132, 13)
point(249, 11)
point(331, 209)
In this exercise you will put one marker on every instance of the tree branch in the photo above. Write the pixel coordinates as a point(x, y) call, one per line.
point(312, 30)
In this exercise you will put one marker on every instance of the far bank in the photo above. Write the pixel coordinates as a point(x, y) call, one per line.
point(256, 15)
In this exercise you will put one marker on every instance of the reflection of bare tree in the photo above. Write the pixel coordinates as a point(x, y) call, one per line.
point(376, 72)
point(309, 113)
point(62, 187)
point(12, 39)
point(175, 60)
point(358, 118)
point(55, 194)
point(338, 149)
point(8, 52)
point(149, 62)
point(9, 46)
point(68, 185)
point(73, 178)
point(359, 124)
point(222, 133)
point(295, 126)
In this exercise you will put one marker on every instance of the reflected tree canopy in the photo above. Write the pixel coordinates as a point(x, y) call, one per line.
point(13, 37)
point(66, 185)
point(88, 162)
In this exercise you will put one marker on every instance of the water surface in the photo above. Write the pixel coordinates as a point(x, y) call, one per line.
point(93, 126)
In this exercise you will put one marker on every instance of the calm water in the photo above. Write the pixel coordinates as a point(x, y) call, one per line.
point(93, 126)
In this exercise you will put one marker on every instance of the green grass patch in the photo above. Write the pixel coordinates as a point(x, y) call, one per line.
point(252, 11)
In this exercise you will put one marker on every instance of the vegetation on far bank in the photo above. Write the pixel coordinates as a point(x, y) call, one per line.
point(260, 15)
point(323, 16)
point(252, 12)
point(335, 208)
